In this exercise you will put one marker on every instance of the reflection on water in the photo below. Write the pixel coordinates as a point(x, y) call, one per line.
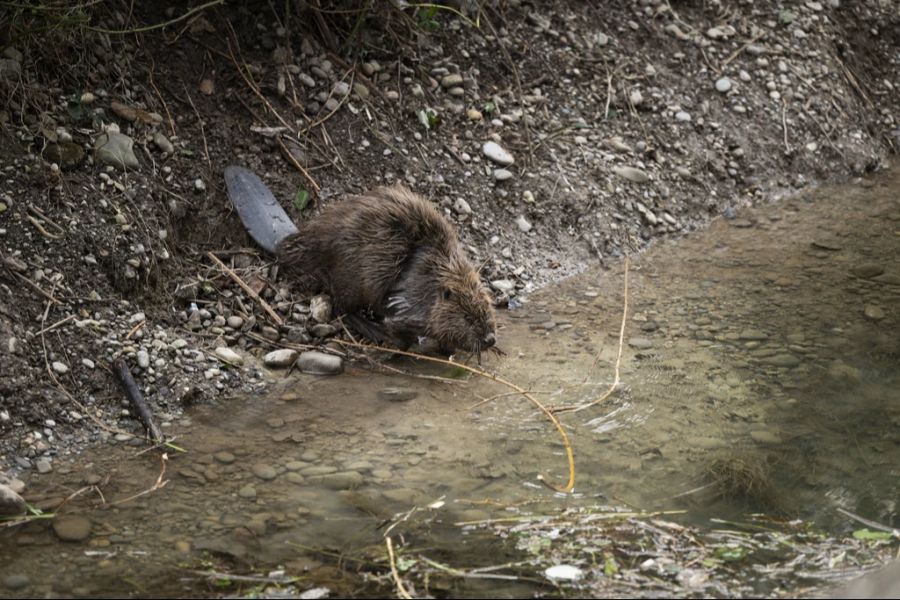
point(769, 341)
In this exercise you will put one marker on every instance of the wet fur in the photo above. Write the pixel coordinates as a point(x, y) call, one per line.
point(392, 255)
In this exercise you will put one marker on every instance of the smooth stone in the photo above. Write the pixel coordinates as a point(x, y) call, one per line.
point(318, 470)
point(71, 528)
point(523, 224)
point(451, 80)
point(280, 358)
point(502, 174)
point(43, 466)
point(226, 458)
point(867, 270)
point(781, 360)
point(344, 480)
point(16, 581)
point(66, 154)
point(319, 363)
point(143, 359)
point(763, 436)
point(632, 174)
point(116, 149)
point(682, 116)
point(397, 394)
point(163, 143)
point(875, 313)
point(248, 492)
point(503, 285)
point(60, 368)
point(234, 322)
point(496, 153)
point(265, 472)
point(563, 573)
point(229, 355)
point(753, 334)
point(640, 343)
point(723, 85)
point(11, 503)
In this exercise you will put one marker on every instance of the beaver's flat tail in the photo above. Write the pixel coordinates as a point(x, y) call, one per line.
point(260, 212)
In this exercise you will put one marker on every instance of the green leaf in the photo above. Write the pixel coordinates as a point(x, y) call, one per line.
point(610, 567)
point(405, 564)
point(731, 554)
point(428, 118)
point(786, 17)
point(301, 199)
point(489, 108)
point(866, 534)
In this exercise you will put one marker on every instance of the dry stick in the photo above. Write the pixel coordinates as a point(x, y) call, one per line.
point(137, 399)
point(737, 52)
point(297, 164)
point(135, 328)
point(562, 432)
point(401, 589)
point(44, 232)
point(55, 325)
point(199, 122)
point(36, 288)
point(787, 147)
point(246, 288)
point(159, 484)
point(618, 358)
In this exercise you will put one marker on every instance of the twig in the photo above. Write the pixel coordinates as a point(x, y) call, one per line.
point(36, 288)
point(137, 399)
point(202, 131)
point(246, 288)
point(158, 25)
point(787, 147)
point(40, 214)
point(868, 523)
point(290, 156)
point(135, 328)
point(44, 232)
point(615, 382)
point(608, 94)
point(737, 52)
point(55, 325)
point(562, 432)
point(159, 484)
point(401, 589)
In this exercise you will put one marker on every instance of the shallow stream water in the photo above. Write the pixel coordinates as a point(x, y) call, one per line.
point(770, 341)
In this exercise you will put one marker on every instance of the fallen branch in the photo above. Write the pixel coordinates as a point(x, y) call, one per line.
point(159, 484)
point(246, 288)
point(137, 399)
point(290, 156)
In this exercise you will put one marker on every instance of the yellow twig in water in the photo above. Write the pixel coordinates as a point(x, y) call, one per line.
point(562, 432)
point(615, 382)
point(401, 589)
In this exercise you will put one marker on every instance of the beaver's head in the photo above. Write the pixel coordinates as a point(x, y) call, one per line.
point(462, 317)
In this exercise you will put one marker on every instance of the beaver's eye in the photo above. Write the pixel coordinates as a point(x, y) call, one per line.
point(446, 294)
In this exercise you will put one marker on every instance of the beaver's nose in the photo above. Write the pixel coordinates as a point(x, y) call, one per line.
point(489, 340)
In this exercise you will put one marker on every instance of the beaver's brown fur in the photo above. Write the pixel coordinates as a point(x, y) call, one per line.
point(392, 255)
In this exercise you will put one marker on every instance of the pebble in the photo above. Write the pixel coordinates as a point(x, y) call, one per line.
point(265, 472)
point(60, 368)
point(143, 359)
point(71, 528)
point(43, 466)
point(503, 285)
point(502, 174)
point(116, 149)
point(682, 116)
point(461, 207)
point(474, 115)
point(341, 89)
point(163, 143)
point(199, 185)
point(11, 503)
point(397, 394)
point(235, 322)
point(280, 358)
point(248, 492)
point(640, 343)
point(224, 457)
point(320, 308)
point(344, 480)
point(319, 363)
point(781, 360)
point(765, 437)
point(753, 334)
point(496, 153)
point(16, 581)
point(723, 85)
point(875, 313)
point(563, 573)
point(867, 270)
point(229, 355)
point(632, 174)
point(451, 80)
point(523, 224)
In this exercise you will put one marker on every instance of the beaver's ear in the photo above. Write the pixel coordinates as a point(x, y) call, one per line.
point(446, 294)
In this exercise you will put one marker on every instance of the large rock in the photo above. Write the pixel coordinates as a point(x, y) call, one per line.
point(11, 504)
point(319, 363)
point(72, 528)
point(280, 358)
point(116, 149)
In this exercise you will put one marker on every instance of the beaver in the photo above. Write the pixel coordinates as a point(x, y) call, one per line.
point(390, 261)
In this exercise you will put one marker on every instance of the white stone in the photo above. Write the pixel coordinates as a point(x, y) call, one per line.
point(496, 153)
point(280, 358)
point(563, 573)
point(229, 355)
